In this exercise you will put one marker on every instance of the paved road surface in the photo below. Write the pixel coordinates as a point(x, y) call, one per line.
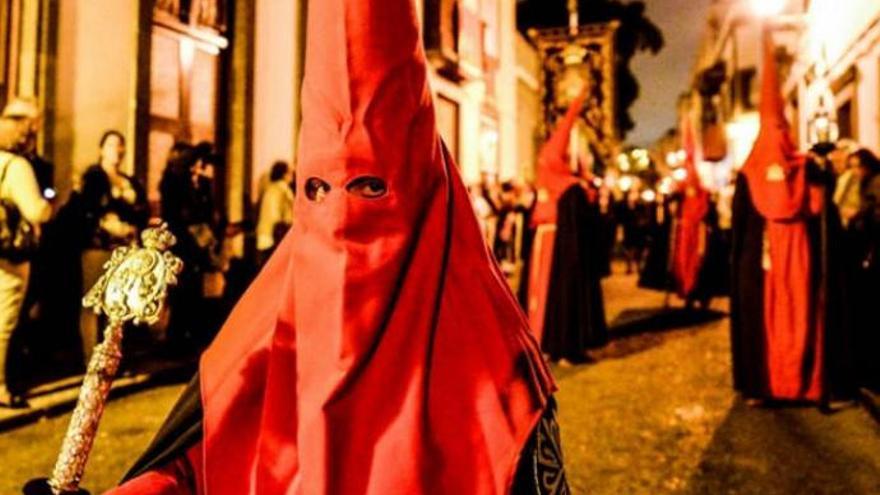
point(654, 415)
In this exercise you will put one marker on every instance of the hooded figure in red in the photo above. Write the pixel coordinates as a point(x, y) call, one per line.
point(380, 350)
point(778, 314)
point(554, 177)
point(690, 230)
point(565, 299)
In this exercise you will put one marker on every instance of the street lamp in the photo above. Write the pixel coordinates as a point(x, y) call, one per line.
point(823, 129)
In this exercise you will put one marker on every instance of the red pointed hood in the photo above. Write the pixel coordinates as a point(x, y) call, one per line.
point(777, 183)
point(689, 245)
point(775, 170)
point(399, 361)
point(554, 174)
point(689, 145)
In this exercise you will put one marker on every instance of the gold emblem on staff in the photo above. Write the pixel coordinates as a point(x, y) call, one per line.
point(133, 288)
point(136, 280)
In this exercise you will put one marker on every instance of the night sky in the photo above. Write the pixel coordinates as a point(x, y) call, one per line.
point(664, 76)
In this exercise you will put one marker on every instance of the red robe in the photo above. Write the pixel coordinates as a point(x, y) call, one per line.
point(554, 177)
point(690, 233)
point(380, 350)
point(793, 316)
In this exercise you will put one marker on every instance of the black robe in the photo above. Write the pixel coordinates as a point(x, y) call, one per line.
point(747, 333)
point(712, 279)
point(540, 470)
point(655, 273)
point(864, 258)
point(575, 317)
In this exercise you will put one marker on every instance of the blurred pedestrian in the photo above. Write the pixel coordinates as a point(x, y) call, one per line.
point(848, 190)
point(634, 218)
point(187, 206)
point(482, 209)
point(112, 209)
point(508, 225)
point(27, 112)
point(276, 211)
point(865, 237)
point(22, 210)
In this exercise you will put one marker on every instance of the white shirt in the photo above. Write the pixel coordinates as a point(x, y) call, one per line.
point(20, 186)
point(276, 206)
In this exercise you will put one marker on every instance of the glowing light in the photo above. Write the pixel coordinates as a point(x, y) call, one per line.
point(768, 8)
point(623, 162)
point(597, 181)
point(625, 183)
point(49, 193)
point(681, 155)
point(672, 158)
point(611, 180)
point(648, 196)
point(679, 174)
point(666, 186)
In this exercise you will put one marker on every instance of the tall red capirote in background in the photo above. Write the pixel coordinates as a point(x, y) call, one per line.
point(554, 174)
point(553, 177)
point(690, 232)
point(381, 350)
point(777, 180)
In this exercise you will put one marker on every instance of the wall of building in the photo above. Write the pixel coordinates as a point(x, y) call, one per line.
point(94, 82)
point(530, 110)
point(842, 45)
point(277, 72)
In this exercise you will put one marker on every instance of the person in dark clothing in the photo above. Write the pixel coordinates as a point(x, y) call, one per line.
point(655, 273)
point(110, 209)
point(187, 206)
point(607, 207)
point(634, 220)
point(575, 320)
point(711, 278)
point(864, 235)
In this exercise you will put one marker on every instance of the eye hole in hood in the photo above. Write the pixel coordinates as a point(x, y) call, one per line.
point(316, 189)
point(367, 187)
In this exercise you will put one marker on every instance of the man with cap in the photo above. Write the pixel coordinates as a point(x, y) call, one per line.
point(28, 115)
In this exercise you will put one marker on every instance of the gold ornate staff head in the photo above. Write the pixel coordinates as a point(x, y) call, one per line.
point(136, 280)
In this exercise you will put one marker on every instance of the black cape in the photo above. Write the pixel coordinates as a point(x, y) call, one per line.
point(747, 302)
point(575, 315)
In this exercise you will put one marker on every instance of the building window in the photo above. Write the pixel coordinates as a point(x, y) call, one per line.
point(845, 116)
point(845, 92)
point(187, 50)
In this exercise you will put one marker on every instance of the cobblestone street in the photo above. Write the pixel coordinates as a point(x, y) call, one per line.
point(654, 414)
